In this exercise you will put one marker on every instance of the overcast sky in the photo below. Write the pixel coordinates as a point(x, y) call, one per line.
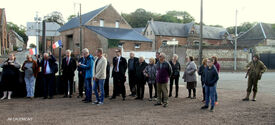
point(220, 12)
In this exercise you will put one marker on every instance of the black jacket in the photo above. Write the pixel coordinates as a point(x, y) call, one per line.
point(135, 63)
point(122, 65)
point(52, 64)
point(201, 73)
point(68, 70)
point(108, 70)
point(139, 71)
point(176, 69)
point(211, 76)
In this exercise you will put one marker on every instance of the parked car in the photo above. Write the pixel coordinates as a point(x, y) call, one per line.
point(19, 50)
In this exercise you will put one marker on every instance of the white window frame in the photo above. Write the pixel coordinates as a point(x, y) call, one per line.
point(101, 22)
point(117, 24)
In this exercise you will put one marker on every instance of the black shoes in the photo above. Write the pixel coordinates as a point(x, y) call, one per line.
point(204, 107)
point(246, 99)
point(157, 104)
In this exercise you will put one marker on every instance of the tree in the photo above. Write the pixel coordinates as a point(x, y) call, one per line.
point(55, 17)
point(242, 28)
point(20, 30)
point(140, 17)
point(216, 26)
point(71, 17)
point(32, 45)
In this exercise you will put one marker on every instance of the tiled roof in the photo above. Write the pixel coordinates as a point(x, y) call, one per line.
point(73, 23)
point(256, 34)
point(119, 33)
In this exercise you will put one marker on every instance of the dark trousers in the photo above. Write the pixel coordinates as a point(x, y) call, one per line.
point(81, 79)
point(172, 79)
point(48, 85)
point(132, 82)
point(69, 82)
point(119, 87)
point(106, 87)
point(203, 90)
point(140, 89)
point(151, 90)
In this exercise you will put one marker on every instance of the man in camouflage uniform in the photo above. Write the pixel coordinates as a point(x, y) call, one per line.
point(255, 70)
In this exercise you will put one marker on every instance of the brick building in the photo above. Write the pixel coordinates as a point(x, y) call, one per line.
point(105, 28)
point(3, 32)
point(186, 34)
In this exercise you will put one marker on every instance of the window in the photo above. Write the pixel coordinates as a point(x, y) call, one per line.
point(101, 23)
point(151, 33)
point(164, 42)
point(147, 33)
point(117, 24)
point(137, 46)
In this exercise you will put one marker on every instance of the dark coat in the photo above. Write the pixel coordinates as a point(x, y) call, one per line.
point(80, 69)
point(108, 70)
point(68, 70)
point(122, 65)
point(164, 73)
point(201, 73)
point(135, 63)
point(52, 64)
point(140, 67)
point(211, 76)
point(175, 69)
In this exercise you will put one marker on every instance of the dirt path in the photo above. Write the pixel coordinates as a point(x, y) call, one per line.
point(231, 110)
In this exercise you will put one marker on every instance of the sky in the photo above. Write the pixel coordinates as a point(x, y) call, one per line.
point(221, 12)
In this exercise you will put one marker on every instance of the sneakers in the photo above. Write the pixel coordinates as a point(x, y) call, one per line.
point(100, 103)
point(150, 99)
point(165, 105)
point(95, 102)
point(212, 109)
point(254, 100)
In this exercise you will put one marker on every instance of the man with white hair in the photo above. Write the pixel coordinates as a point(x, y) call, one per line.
point(132, 62)
point(164, 72)
point(88, 67)
point(49, 68)
point(68, 68)
point(140, 77)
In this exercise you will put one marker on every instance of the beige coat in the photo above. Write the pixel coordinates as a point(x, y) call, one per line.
point(100, 69)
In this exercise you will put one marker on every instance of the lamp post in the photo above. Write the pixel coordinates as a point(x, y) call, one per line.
point(80, 28)
point(235, 47)
point(37, 20)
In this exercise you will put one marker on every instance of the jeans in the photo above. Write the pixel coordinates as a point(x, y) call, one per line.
point(99, 83)
point(88, 89)
point(216, 94)
point(210, 95)
point(30, 85)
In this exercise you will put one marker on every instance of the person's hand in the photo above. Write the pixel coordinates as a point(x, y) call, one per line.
point(146, 75)
point(80, 72)
point(94, 78)
point(248, 68)
point(11, 63)
point(5, 63)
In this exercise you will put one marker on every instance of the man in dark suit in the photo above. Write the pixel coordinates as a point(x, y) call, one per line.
point(106, 84)
point(132, 62)
point(49, 68)
point(68, 68)
point(118, 74)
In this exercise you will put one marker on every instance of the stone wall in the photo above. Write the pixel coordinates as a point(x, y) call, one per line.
point(225, 55)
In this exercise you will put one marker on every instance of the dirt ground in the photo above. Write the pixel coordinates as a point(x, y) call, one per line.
point(65, 111)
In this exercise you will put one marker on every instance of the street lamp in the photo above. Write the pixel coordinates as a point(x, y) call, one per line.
point(37, 20)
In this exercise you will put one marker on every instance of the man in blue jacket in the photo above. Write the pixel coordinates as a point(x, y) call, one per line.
point(211, 78)
point(88, 68)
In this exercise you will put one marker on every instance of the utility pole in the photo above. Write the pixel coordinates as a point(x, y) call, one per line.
point(80, 30)
point(44, 36)
point(201, 34)
point(236, 37)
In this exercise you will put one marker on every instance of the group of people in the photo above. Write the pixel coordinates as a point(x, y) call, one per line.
point(96, 69)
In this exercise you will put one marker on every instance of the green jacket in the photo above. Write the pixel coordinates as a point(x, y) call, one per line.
point(256, 69)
